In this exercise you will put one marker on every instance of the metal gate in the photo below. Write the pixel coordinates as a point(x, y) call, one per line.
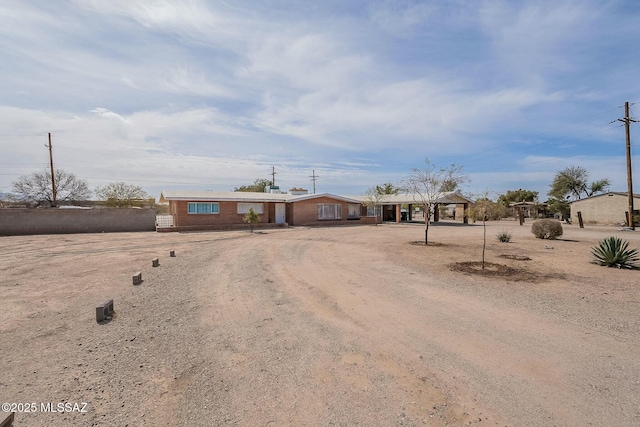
point(164, 221)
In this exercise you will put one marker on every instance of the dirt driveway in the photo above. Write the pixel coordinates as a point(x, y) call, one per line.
point(333, 326)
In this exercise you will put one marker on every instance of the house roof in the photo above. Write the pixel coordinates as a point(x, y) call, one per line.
point(528, 204)
point(398, 199)
point(610, 193)
point(242, 196)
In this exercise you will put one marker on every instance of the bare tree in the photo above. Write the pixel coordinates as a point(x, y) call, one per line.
point(485, 208)
point(373, 198)
point(119, 194)
point(427, 185)
point(36, 188)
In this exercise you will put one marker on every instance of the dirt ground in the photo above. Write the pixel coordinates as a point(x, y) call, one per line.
point(325, 326)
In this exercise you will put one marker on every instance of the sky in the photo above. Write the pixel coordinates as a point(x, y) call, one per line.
point(211, 95)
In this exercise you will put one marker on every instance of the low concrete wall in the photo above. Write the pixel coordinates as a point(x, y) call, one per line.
point(15, 222)
point(220, 227)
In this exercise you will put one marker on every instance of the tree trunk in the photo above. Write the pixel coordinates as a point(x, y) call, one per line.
point(484, 237)
point(427, 220)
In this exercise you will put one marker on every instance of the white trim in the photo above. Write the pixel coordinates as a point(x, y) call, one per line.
point(212, 204)
point(337, 211)
point(243, 208)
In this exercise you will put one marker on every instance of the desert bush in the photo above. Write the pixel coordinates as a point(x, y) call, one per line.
point(251, 218)
point(504, 236)
point(546, 229)
point(615, 252)
point(488, 209)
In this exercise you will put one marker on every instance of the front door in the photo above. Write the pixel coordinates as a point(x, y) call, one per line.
point(280, 213)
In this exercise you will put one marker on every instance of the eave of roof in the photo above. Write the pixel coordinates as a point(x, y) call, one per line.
point(410, 199)
point(239, 196)
point(610, 193)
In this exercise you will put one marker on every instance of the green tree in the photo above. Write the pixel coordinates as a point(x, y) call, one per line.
point(121, 194)
point(251, 218)
point(519, 195)
point(559, 206)
point(426, 186)
point(36, 188)
point(258, 186)
point(449, 185)
point(386, 188)
point(571, 183)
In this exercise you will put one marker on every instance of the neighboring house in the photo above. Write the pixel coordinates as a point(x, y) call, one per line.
point(209, 210)
point(529, 209)
point(604, 209)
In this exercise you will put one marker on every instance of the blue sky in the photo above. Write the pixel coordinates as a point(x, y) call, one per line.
point(211, 94)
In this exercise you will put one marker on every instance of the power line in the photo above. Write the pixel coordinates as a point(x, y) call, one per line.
point(507, 165)
point(537, 136)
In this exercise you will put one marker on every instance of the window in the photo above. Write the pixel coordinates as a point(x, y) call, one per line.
point(353, 211)
point(258, 208)
point(326, 211)
point(374, 210)
point(203, 208)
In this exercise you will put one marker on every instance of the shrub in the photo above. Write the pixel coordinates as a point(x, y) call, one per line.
point(546, 229)
point(251, 218)
point(614, 252)
point(504, 236)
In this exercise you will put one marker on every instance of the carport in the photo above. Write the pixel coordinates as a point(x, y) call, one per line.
point(392, 206)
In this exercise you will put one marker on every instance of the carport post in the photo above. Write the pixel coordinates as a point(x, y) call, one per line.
point(465, 213)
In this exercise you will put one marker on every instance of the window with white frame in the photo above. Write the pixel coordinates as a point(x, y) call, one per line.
point(353, 211)
point(373, 210)
point(329, 211)
point(203, 208)
point(258, 208)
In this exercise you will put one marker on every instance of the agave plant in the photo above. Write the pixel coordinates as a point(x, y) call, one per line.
point(614, 252)
point(504, 236)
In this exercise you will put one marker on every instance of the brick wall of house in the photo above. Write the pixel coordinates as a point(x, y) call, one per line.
point(306, 211)
point(270, 212)
point(228, 214)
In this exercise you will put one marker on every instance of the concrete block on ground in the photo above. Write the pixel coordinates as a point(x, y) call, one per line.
point(137, 278)
point(172, 253)
point(155, 262)
point(104, 311)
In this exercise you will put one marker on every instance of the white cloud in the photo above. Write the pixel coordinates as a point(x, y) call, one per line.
point(212, 92)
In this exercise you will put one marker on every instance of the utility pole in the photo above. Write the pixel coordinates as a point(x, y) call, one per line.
point(313, 178)
point(627, 121)
point(53, 179)
point(273, 176)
